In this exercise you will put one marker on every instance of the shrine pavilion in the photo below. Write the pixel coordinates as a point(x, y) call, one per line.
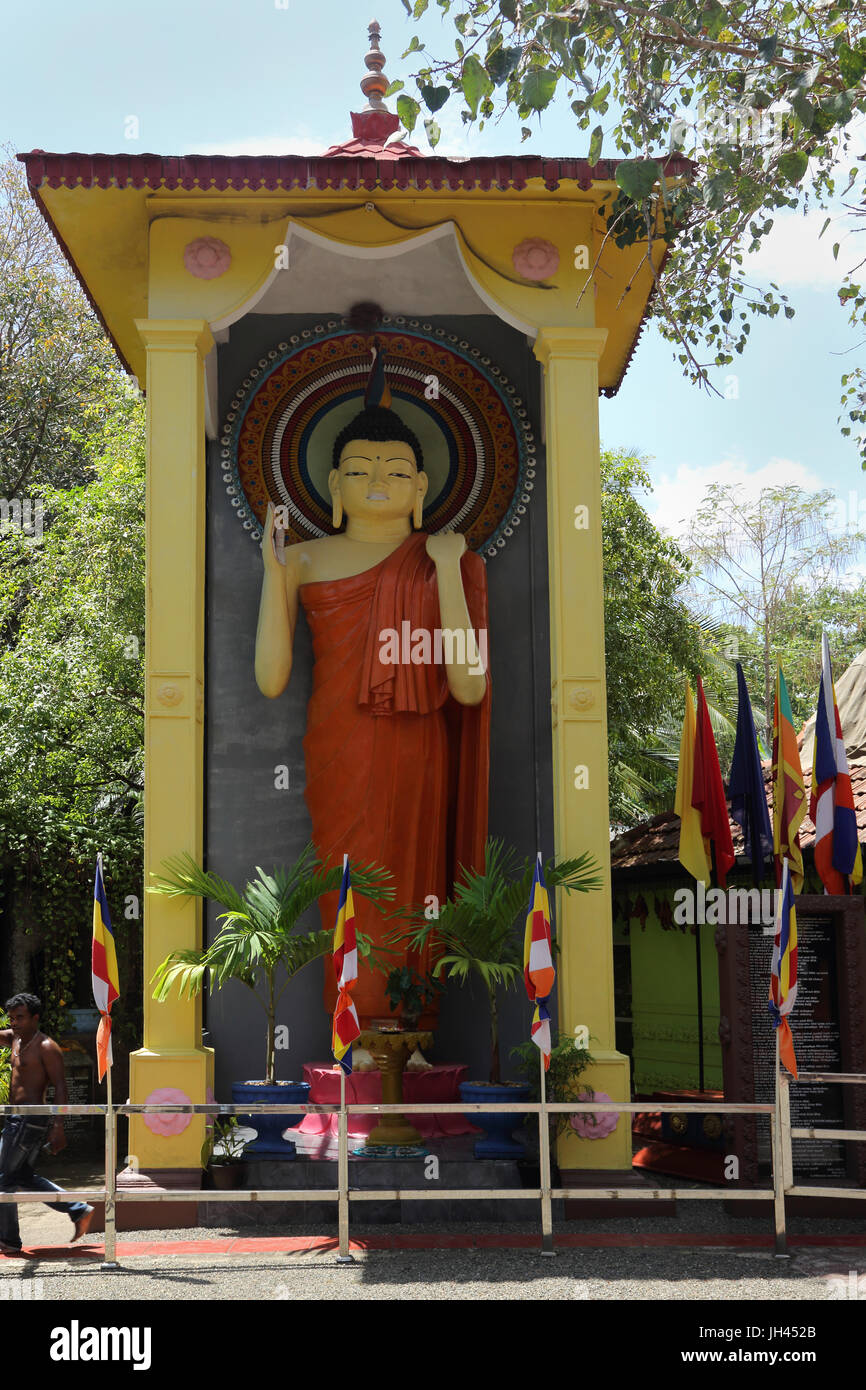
point(227, 285)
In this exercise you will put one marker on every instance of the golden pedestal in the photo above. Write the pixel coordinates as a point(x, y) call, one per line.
point(390, 1052)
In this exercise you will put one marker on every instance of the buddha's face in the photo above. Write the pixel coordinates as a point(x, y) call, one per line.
point(377, 479)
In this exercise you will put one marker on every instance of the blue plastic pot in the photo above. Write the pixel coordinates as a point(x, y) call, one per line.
point(498, 1141)
point(269, 1141)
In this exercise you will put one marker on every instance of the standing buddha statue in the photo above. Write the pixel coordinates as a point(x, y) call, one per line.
point(396, 750)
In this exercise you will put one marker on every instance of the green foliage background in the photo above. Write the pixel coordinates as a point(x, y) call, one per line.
point(71, 710)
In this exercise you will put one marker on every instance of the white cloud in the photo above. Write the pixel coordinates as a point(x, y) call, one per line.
point(457, 141)
point(676, 498)
point(270, 145)
point(793, 256)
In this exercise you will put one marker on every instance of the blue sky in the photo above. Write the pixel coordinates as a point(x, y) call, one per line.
point(261, 76)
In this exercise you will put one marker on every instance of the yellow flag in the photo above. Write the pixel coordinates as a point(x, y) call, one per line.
point(693, 848)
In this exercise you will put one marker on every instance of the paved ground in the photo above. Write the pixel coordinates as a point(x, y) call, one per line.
point(811, 1274)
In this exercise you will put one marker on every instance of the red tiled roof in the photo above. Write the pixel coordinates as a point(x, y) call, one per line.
point(374, 149)
point(320, 171)
point(656, 841)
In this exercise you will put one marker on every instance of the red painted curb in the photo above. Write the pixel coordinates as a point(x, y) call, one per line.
point(253, 1245)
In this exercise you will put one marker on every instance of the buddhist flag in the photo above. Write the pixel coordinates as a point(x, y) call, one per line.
point(708, 793)
point(783, 971)
point(693, 851)
point(103, 964)
point(346, 1025)
point(831, 805)
point(538, 972)
point(378, 391)
point(746, 786)
point(789, 791)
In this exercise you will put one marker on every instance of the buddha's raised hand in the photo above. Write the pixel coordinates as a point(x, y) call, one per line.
point(446, 547)
point(273, 542)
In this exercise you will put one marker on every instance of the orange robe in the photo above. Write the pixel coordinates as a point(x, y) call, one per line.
point(397, 770)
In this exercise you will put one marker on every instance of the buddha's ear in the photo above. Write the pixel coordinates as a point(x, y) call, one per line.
point(334, 482)
point(423, 482)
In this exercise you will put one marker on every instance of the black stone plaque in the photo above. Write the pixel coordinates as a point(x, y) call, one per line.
point(79, 1091)
point(814, 1024)
point(828, 1024)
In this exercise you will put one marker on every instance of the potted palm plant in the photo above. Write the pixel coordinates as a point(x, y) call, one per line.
point(223, 1152)
point(258, 938)
point(475, 931)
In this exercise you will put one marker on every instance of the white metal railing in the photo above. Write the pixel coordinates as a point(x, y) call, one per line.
point(778, 1112)
point(343, 1195)
point(788, 1133)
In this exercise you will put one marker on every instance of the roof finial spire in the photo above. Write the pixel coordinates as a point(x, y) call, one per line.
point(375, 122)
point(376, 84)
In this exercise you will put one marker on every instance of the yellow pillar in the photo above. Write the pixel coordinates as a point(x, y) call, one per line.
point(172, 1055)
point(580, 783)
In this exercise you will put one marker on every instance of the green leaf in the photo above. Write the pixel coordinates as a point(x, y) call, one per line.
point(637, 177)
point(475, 82)
point(595, 143)
point(716, 188)
point(793, 165)
point(415, 46)
point(803, 109)
point(501, 62)
point(508, 10)
point(433, 132)
point(852, 62)
point(408, 110)
point(750, 193)
point(767, 47)
point(714, 17)
point(838, 107)
point(525, 133)
point(435, 97)
point(537, 88)
point(419, 8)
point(396, 86)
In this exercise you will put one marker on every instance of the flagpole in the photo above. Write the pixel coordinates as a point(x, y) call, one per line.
point(778, 1172)
point(109, 1260)
point(344, 1257)
point(544, 1165)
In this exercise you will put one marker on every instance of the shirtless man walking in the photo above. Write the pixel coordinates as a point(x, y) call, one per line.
point(37, 1063)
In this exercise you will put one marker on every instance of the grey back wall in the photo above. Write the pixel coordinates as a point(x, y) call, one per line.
point(249, 822)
